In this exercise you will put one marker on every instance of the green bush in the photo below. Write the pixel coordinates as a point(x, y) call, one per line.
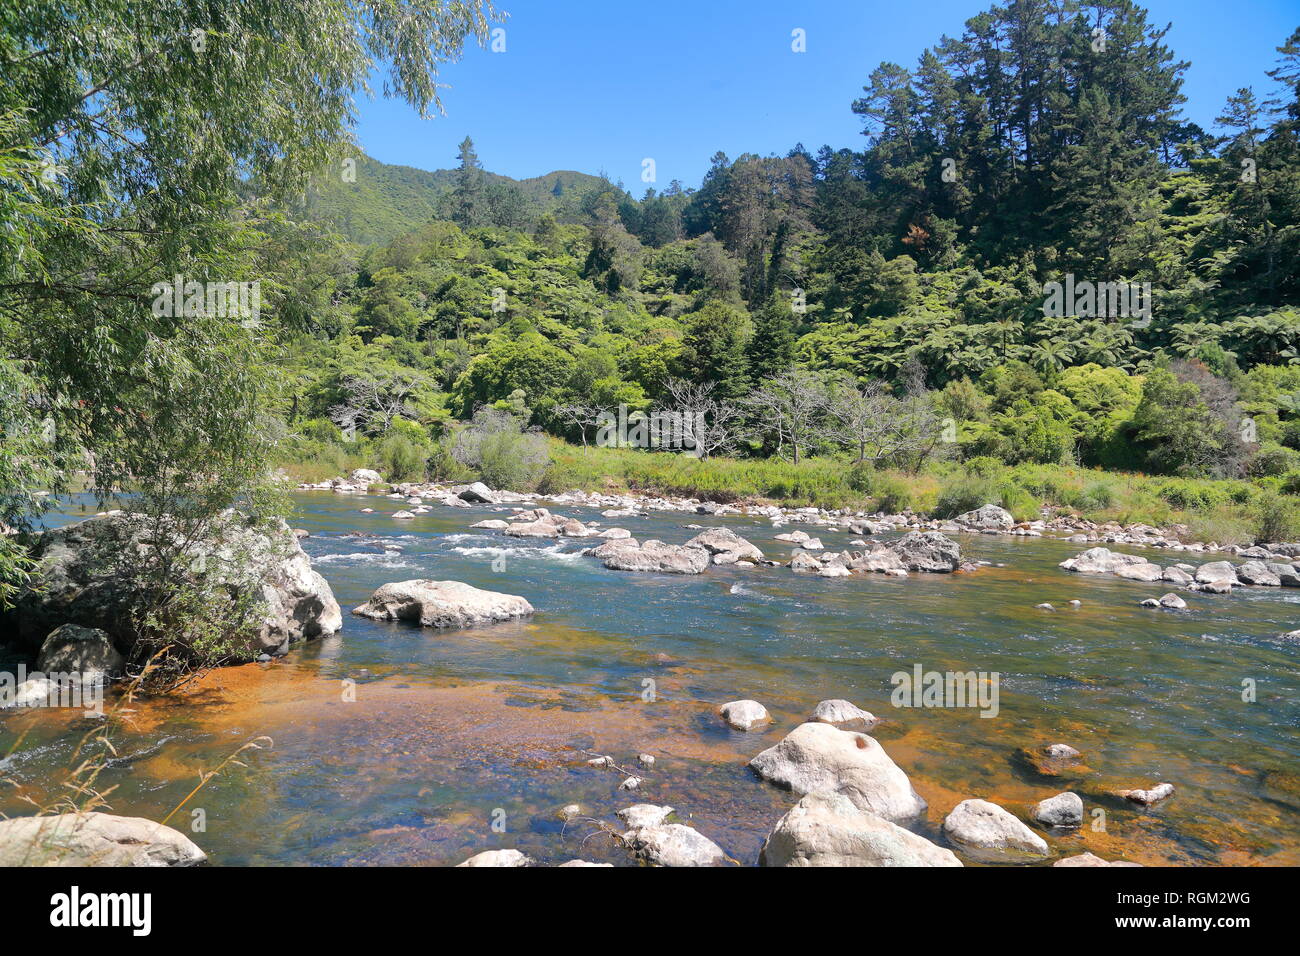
point(512, 460)
point(965, 494)
point(1275, 519)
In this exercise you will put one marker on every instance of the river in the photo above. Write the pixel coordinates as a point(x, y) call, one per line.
point(467, 740)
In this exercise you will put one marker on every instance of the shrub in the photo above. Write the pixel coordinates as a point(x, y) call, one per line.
point(1275, 519)
point(512, 460)
point(965, 494)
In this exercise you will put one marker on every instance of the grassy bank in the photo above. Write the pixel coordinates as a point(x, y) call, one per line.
point(1227, 511)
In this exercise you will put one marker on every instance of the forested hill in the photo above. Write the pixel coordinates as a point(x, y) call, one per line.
point(377, 202)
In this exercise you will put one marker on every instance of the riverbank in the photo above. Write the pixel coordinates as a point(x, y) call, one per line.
point(1229, 512)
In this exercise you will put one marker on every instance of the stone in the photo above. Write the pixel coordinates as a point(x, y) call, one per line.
point(643, 815)
point(584, 863)
point(1176, 576)
point(403, 515)
point(803, 562)
point(1140, 572)
point(1060, 752)
point(1062, 810)
point(1044, 607)
point(365, 476)
point(1148, 797)
point(85, 577)
point(33, 692)
point(928, 551)
point(94, 839)
point(570, 812)
point(478, 493)
point(73, 649)
point(844, 715)
point(1172, 601)
point(653, 555)
point(1100, 561)
point(990, 834)
point(1214, 571)
point(1088, 859)
point(491, 524)
point(725, 544)
point(881, 561)
point(497, 858)
point(674, 844)
point(826, 829)
point(442, 604)
point(817, 756)
point(744, 714)
point(989, 516)
point(1256, 573)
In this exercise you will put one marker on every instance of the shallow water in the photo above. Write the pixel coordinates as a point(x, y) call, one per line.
point(461, 741)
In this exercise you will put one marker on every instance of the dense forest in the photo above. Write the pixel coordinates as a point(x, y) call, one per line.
point(878, 308)
point(820, 296)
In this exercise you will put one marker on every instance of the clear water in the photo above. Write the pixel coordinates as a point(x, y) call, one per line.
point(460, 741)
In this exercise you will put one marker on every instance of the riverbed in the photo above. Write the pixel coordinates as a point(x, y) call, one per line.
point(397, 745)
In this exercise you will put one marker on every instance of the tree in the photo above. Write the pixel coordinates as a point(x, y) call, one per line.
point(771, 350)
point(161, 134)
point(790, 408)
point(1188, 422)
point(469, 196)
point(707, 424)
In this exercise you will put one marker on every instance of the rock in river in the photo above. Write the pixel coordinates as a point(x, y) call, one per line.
point(624, 554)
point(442, 604)
point(674, 844)
point(990, 516)
point(826, 829)
point(725, 545)
point(1089, 859)
point(744, 714)
point(1148, 797)
point(1100, 561)
point(497, 858)
point(990, 834)
point(94, 839)
point(73, 649)
point(927, 551)
point(1062, 810)
point(843, 714)
point(816, 756)
point(87, 576)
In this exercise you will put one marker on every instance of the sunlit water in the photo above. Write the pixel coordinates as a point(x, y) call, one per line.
point(466, 740)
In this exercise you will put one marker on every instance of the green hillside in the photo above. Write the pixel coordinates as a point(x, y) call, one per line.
point(385, 201)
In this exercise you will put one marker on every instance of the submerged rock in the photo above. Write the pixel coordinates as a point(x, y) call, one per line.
point(442, 604)
point(87, 575)
point(816, 756)
point(827, 829)
point(844, 715)
point(1148, 797)
point(94, 839)
point(991, 834)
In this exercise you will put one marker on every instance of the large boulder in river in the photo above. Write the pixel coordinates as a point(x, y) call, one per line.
point(927, 551)
point(990, 517)
point(992, 835)
point(725, 545)
point(365, 476)
point(1213, 572)
point(94, 839)
point(478, 493)
point(625, 554)
point(442, 604)
point(97, 573)
point(816, 756)
point(73, 649)
point(827, 829)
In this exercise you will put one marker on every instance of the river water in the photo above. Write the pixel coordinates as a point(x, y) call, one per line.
point(467, 740)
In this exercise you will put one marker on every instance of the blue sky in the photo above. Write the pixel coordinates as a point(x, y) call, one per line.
point(599, 86)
